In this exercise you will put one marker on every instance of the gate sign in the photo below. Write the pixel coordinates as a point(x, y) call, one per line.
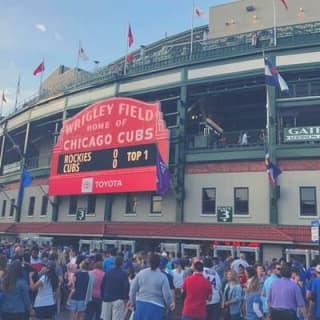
point(110, 146)
point(224, 214)
point(315, 231)
point(301, 134)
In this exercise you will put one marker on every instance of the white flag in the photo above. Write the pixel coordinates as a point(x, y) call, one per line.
point(82, 54)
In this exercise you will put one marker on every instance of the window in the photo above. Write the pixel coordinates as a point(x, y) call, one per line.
point(92, 203)
point(12, 207)
point(32, 201)
point(131, 206)
point(73, 205)
point(209, 201)
point(308, 202)
point(241, 201)
point(156, 203)
point(4, 207)
point(44, 206)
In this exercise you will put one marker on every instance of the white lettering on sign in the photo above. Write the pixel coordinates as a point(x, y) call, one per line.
point(108, 183)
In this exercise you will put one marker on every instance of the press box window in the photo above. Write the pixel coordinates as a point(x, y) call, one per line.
point(156, 203)
point(241, 201)
point(308, 201)
point(131, 204)
point(4, 208)
point(209, 201)
point(44, 206)
point(73, 205)
point(92, 199)
point(32, 201)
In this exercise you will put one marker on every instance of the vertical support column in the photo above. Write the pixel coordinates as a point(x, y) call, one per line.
point(2, 151)
point(108, 208)
point(180, 152)
point(272, 141)
point(22, 164)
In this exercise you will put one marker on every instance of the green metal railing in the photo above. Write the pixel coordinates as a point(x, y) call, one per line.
point(178, 54)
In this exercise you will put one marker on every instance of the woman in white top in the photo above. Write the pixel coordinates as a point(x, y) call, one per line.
point(45, 302)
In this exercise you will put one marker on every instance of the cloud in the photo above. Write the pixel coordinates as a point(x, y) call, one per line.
point(57, 36)
point(41, 27)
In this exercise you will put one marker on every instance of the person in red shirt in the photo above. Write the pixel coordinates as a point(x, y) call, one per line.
point(198, 291)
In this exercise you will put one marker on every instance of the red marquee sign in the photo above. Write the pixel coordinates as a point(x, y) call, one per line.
point(110, 146)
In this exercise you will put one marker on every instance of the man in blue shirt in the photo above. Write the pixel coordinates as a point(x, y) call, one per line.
point(108, 262)
point(315, 292)
point(285, 298)
point(115, 292)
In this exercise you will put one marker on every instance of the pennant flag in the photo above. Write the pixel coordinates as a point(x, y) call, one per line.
point(199, 13)
point(82, 54)
point(130, 37)
point(39, 69)
point(284, 2)
point(3, 98)
point(273, 77)
point(163, 176)
point(25, 182)
point(272, 170)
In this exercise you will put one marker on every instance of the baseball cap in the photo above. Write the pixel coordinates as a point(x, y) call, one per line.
point(318, 268)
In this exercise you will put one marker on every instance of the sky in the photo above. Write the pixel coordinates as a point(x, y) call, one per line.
point(33, 30)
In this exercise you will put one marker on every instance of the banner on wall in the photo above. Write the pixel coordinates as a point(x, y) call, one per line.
point(109, 147)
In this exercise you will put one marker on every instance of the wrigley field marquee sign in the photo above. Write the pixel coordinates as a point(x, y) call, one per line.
point(110, 146)
point(301, 134)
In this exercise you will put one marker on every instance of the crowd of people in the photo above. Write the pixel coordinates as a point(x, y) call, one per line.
point(61, 283)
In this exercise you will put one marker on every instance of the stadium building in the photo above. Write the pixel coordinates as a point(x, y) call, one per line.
point(213, 99)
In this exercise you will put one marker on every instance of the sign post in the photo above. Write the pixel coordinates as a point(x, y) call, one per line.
point(315, 233)
point(224, 214)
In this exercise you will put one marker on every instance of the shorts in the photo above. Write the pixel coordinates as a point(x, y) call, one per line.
point(45, 311)
point(77, 305)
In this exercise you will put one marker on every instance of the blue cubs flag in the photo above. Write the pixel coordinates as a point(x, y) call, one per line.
point(163, 176)
point(273, 77)
point(25, 182)
point(272, 170)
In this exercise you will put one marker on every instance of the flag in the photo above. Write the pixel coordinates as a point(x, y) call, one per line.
point(25, 182)
point(82, 54)
point(3, 98)
point(284, 2)
point(130, 57)
point(39, 69)
point(272, 170)
point(130, 37)
point(163, 176)
point(273, 77)
point(199, 13)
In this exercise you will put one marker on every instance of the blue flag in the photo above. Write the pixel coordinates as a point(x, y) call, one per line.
point(163, 176)
point(25, 182)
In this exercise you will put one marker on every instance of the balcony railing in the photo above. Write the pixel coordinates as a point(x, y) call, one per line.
point(231, 139)
point(178, 54)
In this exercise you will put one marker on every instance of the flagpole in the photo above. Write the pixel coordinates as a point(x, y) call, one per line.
point(274, 23)
point(17, 93)
point(41, 77)
point(77, 64)
point(127, 51)
point(1, 107)
point(192, 26)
